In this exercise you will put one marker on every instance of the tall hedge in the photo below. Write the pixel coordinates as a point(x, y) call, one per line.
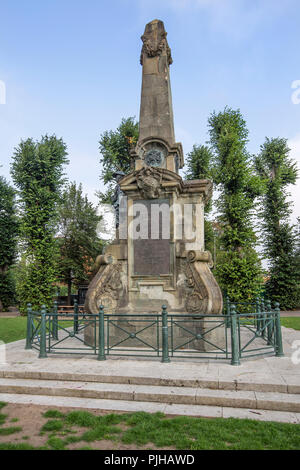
point(279, 171)
point(8, 243)
point(37, 171)
point(238, 266)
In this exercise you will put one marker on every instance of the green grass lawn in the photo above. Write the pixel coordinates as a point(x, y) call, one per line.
point(291, 322)
point(143, 429)
point(13, 329)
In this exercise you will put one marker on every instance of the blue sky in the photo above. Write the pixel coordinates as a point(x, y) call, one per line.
point(71, 67)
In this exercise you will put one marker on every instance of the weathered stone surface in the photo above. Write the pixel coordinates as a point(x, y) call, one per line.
point(152, 256)
point(138, 276)
point(156, 103)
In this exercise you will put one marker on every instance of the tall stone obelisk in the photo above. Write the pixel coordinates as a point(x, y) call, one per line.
point(156, 111)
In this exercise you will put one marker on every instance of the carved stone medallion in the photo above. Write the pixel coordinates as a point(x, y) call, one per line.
point(154, 157)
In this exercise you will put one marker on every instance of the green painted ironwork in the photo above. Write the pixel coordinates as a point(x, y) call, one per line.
point(257, 306)
point(101, 338)
point(55, 321)
point(43, 344)
point(29, 328)
point(270, 323)
point(254, 332)
point(263, 319)
point(278, 348)
point(227, 311)
point(132, 327)
point(203, 325)
point(235, 355)
point(165, 335)
point(76, 324)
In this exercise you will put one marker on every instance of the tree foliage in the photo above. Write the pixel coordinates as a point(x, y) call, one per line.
point(238, 269)
point(37, 171)
point(115, 149)
point(8, 242)
point(78, 241)
point(278, 171)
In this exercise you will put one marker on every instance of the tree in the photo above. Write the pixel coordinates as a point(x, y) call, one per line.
point(199, 166)
point(238, 267)
point(8, 242)
point(115, 149)
point(37, 171)
point(278, 171)
point(78, 241)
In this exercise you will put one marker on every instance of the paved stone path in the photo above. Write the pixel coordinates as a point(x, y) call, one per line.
point(265, 388)
point(290, 313)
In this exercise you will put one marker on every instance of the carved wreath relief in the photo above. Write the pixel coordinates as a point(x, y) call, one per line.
point(108, 291)
point(152, 47)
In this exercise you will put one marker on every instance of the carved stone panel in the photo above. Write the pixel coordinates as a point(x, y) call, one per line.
point(152, 256)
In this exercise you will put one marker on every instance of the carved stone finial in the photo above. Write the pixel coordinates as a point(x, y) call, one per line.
point(155, 41)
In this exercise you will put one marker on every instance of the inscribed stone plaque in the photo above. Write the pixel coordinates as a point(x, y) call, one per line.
point(152, 256)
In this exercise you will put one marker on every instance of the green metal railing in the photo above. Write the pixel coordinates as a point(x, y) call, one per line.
point(231, 336)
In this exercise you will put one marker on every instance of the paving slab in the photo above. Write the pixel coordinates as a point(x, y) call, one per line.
point(159, 394)
point(261, 415)
point(89, 403)
point(226, 398)
point(276, 401)
point(290, 313)
point(132, 406)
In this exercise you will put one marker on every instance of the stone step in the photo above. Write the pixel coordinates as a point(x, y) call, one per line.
point(150, 393)
point(262, 385)
point(151, 407)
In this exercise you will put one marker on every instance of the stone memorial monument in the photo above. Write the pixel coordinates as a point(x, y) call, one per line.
point(158, 256)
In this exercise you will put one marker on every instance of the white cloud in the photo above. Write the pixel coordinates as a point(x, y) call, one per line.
point(235, 18)
point(294, 145)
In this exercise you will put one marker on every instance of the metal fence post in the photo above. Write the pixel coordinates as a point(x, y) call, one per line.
point(165, 335)
point(227, 303)
point(279, 348)
point(258, 313)
point(101, 336)
point(75, 316)
point(263, 319)
point(270, 321)
point(235, 355)
point(43, 353)
point(55, 321)
point(29, 327)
